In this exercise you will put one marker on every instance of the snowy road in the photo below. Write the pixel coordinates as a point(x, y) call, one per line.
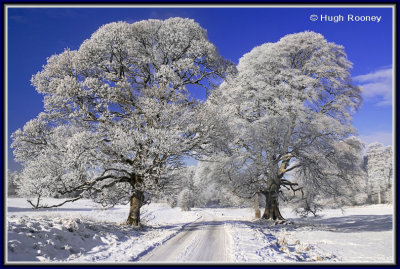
point(205, 240)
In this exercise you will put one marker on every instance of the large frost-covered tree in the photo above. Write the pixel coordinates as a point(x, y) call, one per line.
point(117, 112)
point(379, 167)
point(287, 116)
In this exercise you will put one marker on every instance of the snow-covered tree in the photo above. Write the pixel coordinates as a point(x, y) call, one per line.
point(185, 199)
point(12, 181)
point(177, 180)
point(117, 112)
point(287, 116)
point(378, 162)
point(211, 185)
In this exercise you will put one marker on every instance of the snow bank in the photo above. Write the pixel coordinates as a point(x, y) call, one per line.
point(362, 234)
point(254, 242)
point(82, 232)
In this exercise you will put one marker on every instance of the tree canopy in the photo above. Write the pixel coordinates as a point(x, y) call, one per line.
point(288, 111)
point(117, 111)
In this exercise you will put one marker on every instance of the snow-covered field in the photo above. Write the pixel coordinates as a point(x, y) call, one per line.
point(355, 235)
point(84, 232)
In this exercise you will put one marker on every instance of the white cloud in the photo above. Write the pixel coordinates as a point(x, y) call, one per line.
point(385, 138)
point(377, 86)
point(383, 73)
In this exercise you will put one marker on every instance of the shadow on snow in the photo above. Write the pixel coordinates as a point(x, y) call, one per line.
point(358, 223)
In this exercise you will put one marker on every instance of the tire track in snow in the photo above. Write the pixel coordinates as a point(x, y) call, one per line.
point(200, 241)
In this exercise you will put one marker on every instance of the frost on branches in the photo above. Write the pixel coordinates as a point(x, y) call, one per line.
point(117, 113)
point(287, 116)
point(378, 163)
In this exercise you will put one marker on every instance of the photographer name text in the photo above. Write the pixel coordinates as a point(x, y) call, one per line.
point(348, 18)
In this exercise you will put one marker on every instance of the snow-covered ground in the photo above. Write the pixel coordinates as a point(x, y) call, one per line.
point(355, 235)
point(84, 232)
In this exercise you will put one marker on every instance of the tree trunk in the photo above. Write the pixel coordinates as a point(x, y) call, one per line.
point(379, 194)
point(272, 206)
point(257, 213)
point(134, 210)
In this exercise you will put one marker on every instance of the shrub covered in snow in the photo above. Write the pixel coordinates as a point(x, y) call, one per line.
point(185, 200)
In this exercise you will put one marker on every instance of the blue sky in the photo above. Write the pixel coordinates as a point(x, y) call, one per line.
point(37, 33)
